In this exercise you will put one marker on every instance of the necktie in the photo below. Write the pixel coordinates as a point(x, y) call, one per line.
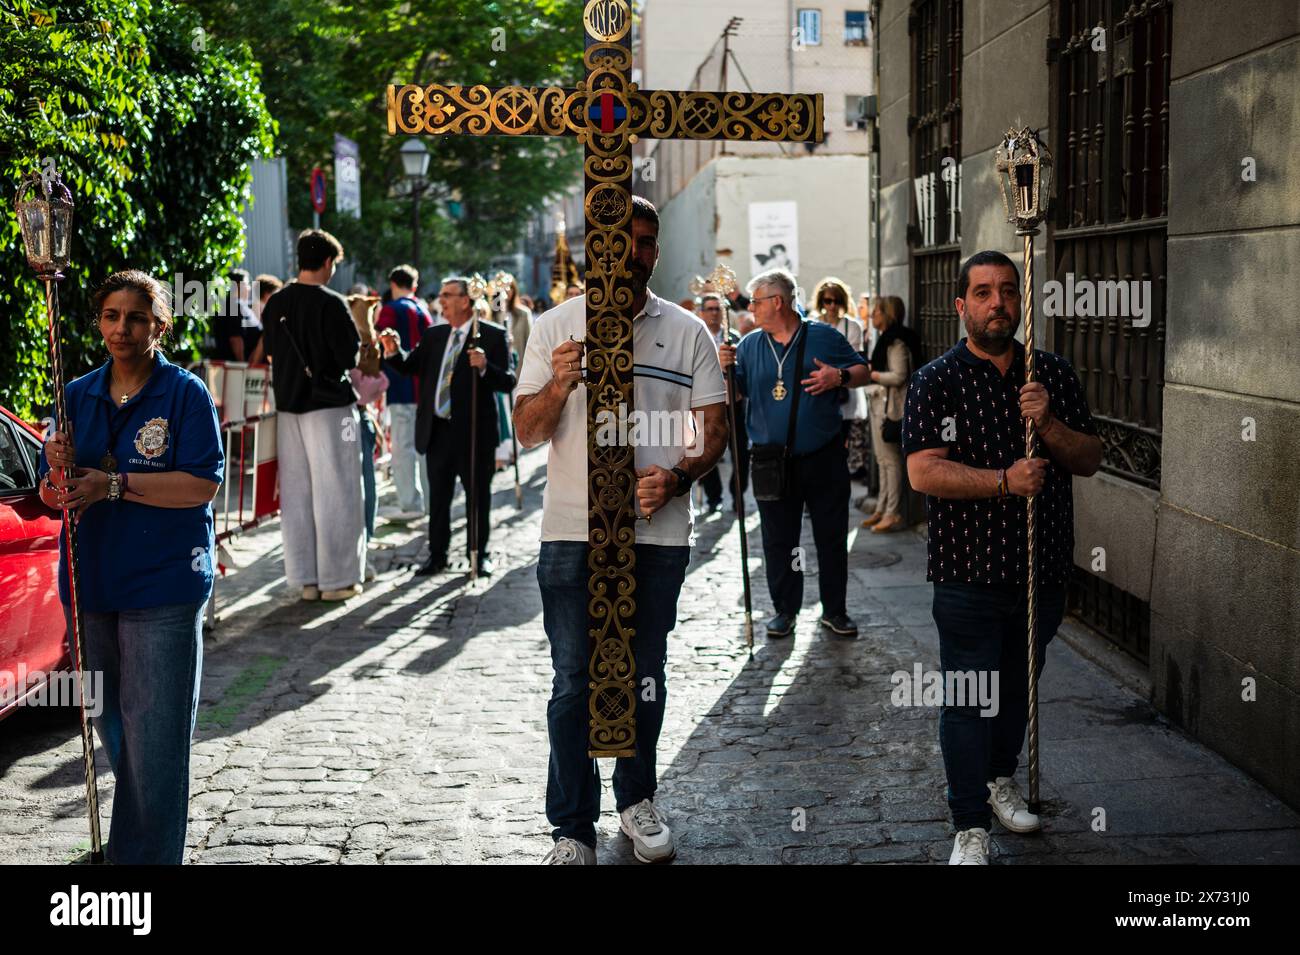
point(442, 406)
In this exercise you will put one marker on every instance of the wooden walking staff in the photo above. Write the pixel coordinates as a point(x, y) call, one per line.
point(1024, 168)
point(478, 289)
point(44, 207)
point(608, 114)
point(499, 288)
point(723, 281)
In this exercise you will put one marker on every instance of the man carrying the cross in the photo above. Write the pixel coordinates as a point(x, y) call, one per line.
point(676, 379)
point(964, 441)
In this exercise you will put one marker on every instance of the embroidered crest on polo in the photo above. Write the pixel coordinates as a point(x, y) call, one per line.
point(151, 439)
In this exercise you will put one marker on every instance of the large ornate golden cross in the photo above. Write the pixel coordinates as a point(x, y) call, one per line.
point(607, 113)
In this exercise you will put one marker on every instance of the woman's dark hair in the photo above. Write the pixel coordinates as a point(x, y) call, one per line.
point(157, 294)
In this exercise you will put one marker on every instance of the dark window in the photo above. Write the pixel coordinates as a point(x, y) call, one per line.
point(1111, 141)
point(17, 460)
point(1116, 614)
point(855, 28)
point(935, 134)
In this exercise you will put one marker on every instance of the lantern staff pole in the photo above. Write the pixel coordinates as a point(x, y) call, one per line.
point(44, 207)
point(723, 281)
point(1024, 168)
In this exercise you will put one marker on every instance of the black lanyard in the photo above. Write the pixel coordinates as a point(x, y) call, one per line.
point(109, 461)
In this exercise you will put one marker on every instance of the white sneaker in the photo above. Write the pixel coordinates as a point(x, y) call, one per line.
point(1010, 808)
point(651, 840)
point(568, 851)
point(396, 516)
point(311, 592)
point(971, 848)
point(342, 593)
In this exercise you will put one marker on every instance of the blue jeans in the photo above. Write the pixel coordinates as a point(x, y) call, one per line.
point(983, 627)
point(151, 661)
point(371, 499)
point(573, 780)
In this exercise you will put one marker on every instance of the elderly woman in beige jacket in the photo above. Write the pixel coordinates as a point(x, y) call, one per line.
point(892, 363)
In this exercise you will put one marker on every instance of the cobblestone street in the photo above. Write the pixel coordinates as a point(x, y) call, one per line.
point(408, 725)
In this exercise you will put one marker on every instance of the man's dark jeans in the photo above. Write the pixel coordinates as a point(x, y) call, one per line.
point(982, 627)
point(820, 480)
point(573, 781)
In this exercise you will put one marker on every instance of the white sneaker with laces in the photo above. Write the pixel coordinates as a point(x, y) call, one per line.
point(1011, 810)
point(971, 848)
point(651, 839)
point(568, 851)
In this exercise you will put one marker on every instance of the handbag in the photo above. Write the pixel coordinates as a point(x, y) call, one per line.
point(769, 464)
point(891, 430)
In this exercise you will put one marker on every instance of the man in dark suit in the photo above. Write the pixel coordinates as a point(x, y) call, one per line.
point(711, 312)
point(446, 360)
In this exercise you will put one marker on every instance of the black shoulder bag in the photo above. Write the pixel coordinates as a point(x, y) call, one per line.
point(769, 464)
point(321, 392)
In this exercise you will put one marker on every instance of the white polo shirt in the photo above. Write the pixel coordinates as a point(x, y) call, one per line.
point(675, 369)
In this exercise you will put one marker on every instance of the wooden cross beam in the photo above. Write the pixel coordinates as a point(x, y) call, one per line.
point(608, 114)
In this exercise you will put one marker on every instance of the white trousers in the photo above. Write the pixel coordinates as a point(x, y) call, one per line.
point(321, 497)
point(410, 470)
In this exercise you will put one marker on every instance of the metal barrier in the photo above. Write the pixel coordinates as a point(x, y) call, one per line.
point(250, 491)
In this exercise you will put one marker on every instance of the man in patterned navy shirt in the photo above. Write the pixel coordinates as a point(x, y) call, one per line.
point(964, 441)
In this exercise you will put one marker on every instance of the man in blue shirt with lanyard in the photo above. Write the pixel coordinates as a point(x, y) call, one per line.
point(783, 354)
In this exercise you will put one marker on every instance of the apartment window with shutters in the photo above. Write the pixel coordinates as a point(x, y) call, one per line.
point(855, 27)
point(810, 26)
point(934, 130)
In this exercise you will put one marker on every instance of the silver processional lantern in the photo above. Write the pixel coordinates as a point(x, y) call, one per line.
point(1024, 167)
point(44, 207)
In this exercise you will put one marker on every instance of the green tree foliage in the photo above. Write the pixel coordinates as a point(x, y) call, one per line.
point(326, 66)
point(151, 122)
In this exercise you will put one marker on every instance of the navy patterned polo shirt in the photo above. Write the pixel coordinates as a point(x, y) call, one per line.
point(964, 403)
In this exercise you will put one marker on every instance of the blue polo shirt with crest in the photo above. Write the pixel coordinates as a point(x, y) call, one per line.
point(133, 556)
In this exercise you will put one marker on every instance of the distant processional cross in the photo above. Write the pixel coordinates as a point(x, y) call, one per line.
point(608, 114)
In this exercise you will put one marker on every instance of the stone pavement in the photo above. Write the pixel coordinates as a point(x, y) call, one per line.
point(408, 725)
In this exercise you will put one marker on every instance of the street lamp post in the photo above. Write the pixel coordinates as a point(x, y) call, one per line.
point(415, 164)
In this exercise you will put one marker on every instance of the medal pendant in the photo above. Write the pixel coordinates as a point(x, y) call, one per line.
point(108, 463)
point(778, 392)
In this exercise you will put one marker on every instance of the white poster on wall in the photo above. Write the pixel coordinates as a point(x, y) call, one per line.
point(773, 236)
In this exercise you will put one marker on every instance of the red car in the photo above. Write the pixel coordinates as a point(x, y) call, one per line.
point(31, 616)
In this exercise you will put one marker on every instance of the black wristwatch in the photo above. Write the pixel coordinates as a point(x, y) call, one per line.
point(844, 377)
point(683, 482)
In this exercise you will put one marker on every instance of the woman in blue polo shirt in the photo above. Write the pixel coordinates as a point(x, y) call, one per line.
point(146, 465)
